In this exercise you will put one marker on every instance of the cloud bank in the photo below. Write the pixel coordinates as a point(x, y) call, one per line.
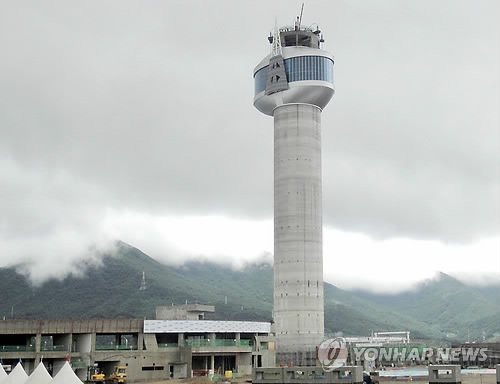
point(126, 114)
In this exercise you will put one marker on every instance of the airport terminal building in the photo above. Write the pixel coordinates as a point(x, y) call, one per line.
point(179, 343)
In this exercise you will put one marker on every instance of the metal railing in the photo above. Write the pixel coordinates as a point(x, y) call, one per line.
point(54, 348)
point(168, 345)
point(108, 347)
point(217, 343)
point(17, 348)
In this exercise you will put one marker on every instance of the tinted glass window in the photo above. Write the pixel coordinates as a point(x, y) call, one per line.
point(260, 80)
point(298, 69)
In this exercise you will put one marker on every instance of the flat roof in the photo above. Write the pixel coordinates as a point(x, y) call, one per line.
point(18, 326)
point(205, 326)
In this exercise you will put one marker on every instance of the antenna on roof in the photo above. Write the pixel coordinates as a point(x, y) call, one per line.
point(301, 12)
point(298, 21)
point(276, 41)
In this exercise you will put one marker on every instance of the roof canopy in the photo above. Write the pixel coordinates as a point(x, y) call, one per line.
point(66, 376)
point(197, 326)
point(39, 376)
point(17, 376)
point(3, 374)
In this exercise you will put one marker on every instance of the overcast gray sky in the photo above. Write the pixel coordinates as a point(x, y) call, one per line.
point(134, 120)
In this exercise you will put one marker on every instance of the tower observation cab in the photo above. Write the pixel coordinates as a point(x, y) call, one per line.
point(294, 83)
point(308, 70)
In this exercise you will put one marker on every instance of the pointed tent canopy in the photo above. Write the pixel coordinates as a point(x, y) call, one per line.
point(66, 376)
point(3, 374)
point(39, 376)
point(17, 376)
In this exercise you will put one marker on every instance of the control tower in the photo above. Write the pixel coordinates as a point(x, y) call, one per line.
point(294, 83)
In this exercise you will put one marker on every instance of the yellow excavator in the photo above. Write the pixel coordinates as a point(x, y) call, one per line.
point(96, 376)
point(119, 376)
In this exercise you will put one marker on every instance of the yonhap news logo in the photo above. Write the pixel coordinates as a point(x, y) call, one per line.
point(332, 353)
point(452, 355)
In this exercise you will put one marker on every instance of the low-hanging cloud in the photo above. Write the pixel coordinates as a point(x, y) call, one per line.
point(49, 226)
point(124, 112)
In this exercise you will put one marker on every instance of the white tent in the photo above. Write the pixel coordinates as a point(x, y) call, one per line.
point(17, 376)
point(39, 376)
point(66, 376)
point(3, 374)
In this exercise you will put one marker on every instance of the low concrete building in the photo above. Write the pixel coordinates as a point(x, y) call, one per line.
point(150, 349)
point(183, 312)
point(445, 374)
point(481, 354)
point(308, 375)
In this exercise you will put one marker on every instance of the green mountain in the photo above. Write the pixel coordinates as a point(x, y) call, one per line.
point(447, 306)
point(434, 311)
point(112, 290)
point(352, 315)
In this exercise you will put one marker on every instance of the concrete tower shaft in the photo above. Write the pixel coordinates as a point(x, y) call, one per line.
point(293, 84)
point(298, 254)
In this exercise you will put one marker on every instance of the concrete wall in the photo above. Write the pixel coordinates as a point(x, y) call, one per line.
point(150, 342)
point(298, 250)
point(244, 363)
point(179, 371)
point(140, 365)
point(52, 327)
point(444, 374)
point(308, 375)
point(82, 343)
point(265, 348)
point(183, 312)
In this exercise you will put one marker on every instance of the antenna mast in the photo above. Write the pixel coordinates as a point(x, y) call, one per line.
point(297, 25)
point(143, 282)
point(301, 12)
point(276, 44)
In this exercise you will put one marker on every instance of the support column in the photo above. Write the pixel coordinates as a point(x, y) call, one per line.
point(140, 341)
point(180, 339)
point(93, 338)
point(298, 233)
point(237, 358)
point(69, 345)
point(38, 342)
